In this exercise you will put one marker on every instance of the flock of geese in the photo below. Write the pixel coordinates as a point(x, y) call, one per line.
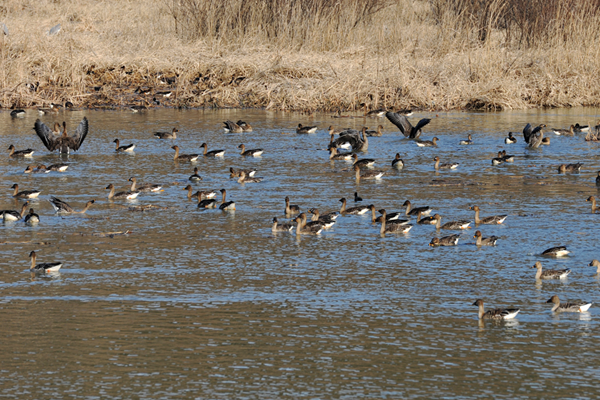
point(354, 142)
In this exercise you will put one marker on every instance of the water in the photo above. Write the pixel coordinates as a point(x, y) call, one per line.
point(209, 304)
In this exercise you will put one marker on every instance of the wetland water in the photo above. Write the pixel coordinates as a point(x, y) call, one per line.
point(210, 304)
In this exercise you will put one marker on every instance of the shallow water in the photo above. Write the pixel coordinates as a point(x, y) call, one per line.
point(211, 304)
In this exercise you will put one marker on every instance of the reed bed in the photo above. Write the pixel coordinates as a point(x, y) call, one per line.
point(311, 55)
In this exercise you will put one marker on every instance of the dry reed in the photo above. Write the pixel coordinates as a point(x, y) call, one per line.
point(345, 55)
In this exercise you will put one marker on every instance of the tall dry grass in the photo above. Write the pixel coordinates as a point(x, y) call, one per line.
point(303, 55)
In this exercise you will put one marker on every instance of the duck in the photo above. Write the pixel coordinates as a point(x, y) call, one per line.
point(25, 194)
point(397, 162)
point(63, 143)
point(20, 153)
point(38, 170)
point(533, 136)
point(581, 128)
point(144, 188)
point(439, 166)
point(195, 177)
point(550, 273)
point(253, 152)
point(291, 209)
point(357, 198)
point(305, 129)
point(389, 217)
point(510, 139)
point(166, 135)
point(17, 113)
point(595, 263)
point(468, 141)
point(565, 132)
point(498, 160)
point(184, 157)
point(430, 220)
point(248, 179)
point(307, 230)
point(125, 147)
point(12, 215)
point(376, 133)
point(320, 222)
point(226, 205)
point(61, 207)
point(451, 240)
point(335, 156)
point(488, 241)
point(129, 195)
point(363, 162)
point(235, 173)
point(281, 227)
point(496, 219)
point(427, 143)
point(32, 218)
point(558, 251)
point(425, 210)
point(232, 127)
point(375, 174)
point(575, 306)
point(496, 314)
point(358, 210)
point(571, 168)
point(43, 268)
point(212, 153)
point(452, 225)
point(393, 226)
point(405, 126)
point(507, 157)
point(593, 200)
point(326, 218)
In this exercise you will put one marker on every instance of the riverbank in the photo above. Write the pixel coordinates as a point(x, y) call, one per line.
point(406, 55)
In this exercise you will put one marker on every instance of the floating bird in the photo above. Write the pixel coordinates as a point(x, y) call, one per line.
point(425, 210)
point(510, 139)
point(572, 168)
point(307, 229)
point(226, 205)
point(439, 166)
point(595, 263)
point(376, 133)
point(125, 147)
point(452, 225)
point(20, 153)
point(397, 162)
point(290, 208)
point(184, 157)
point(558, 251)
point(335, 156)
point(62, 143)
point(451, 240)
point(12, 215)
point(235, 173)
point(248, 179)
point(488, 241)
point(392, 226)
point(496, 314)
point(367, 174)
point(550, 273)
point(25, 194)
point(564, 132)
point(129, 195)
point(533, 136)
point(252, 153)
point(195, 177)
point(358, 210)
point(43, 268)
point(466, 142)
point(212, 153)
point(357, 198)
point(305, 129)
point(593, 200)
point(427, 143)
point(496, 219)
point(62, 207)
point(167, 135)
point(575, 306)
point(281, 227)
point(17, 113)
point(32, 218)
point(363, 162)
point(144, 188)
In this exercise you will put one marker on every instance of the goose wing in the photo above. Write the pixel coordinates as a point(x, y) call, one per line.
point(401, 122)
point(417, 131)
point(45, 134)
point(79, 136)
point(527, 132)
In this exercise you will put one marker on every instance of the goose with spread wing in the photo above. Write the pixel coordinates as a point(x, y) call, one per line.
point(64, 142)
point(533, 136)
point(409, 131)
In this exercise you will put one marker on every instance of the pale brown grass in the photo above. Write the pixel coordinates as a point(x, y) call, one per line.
point(419, 54)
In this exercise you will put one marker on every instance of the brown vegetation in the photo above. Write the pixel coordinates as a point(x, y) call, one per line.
point(333, 55)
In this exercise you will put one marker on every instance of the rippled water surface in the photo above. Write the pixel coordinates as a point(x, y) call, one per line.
point(212, 304)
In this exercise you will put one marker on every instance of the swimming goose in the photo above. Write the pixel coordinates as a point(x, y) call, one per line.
point(306, 129)
point(558, 251)
point(38, 170)
point(425, 210)
point(328, 218)
point(496, 219)
point(439, 166)
point(427, 143)
point(232, 127)
point(431, 220)
point(593, 200)
point(167, 135)
point(379, 113)
point(12, 215)
point(507, 157)
point(362, 174)
point(244, 125)
point(466, 142)
point(405, 127)
point(32, 218)
point(572, 168)
point(307, 230)
point(235, 173)
point(344, 141)
point(212, 153)
point(376, 133)
point(357, 198)
point(226, 205)
point(388, 226)
point(488, 241)
point(206, 202)
point(62, 207)
point(452, 225)
point(397, 162)
point(189, 191)
point(362, 144)
point(575, 306)
point(281, 227)
point(25, 194)
point(184, 157)
point(253, 152)
point(581, 128)
point(546, 141)
point(20, 153)
point(335, 156)
point(451, 240)
point(565, 132)
point(363, 162)
point(125, 147)
point(497, 314)
point(17, 113)
point(318, 222)
point(64, 142)
point(129, 195)
point(43, 268)
point(595, 263)
point(533, 136)
point(195, 177)
point(248, 179)
point(144, 188)
point(550, 273)
point(389, 217)
point(55, 167)
point(498, 160)
point(510, 139)
point(290, 208)
point(358, 210)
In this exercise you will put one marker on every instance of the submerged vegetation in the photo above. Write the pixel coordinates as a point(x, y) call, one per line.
point(307, 55)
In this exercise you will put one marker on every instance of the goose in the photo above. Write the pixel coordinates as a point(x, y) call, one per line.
point(184, 157)
point(189, 191)
point(62, 143)
point(379, 113)
point(248, 179)
point(166, 135)
point(425, 210)
point(20, 153)
point(496, 314)
point(290, 208)
point(427, 143)
point(546, 141)
point(451, 240)
point(25, 194)
point(507, 157)
point(405, 127)
point(305, 129)
point(61, 207)
point(125, 147)
point(12, 215)
point(232, 127)
point(498, 160)
point(466, 142)
point(392, 226)
point(550, 273)
point(281, 227)
point(32, 218)
point(332, 131)
point(206, 202)
point(533, 136)
point(593, 200)
point(43, 268)
point(253, 152)
point(318, 222)
point(307, 230)
point(361, 145)
point(397, 162)
point(565, 132)
point(488, 241)
point(335, 156)
point(496, 219)
point(17, 113)
point(195, 177)
point(144, 188)
point(439, 166)
point(212, 153)
point(363, 162)
point(235, 173)
point(431, 220)
point(328, 218)
point(136, 108)
point(376, 133)
point(60, 167)
point(38, 170)
point(357, 198)
point(226, 205)
point(244, 125)
point(575, 306)
point(595, 263)
point(129, 195)
point(375, 174)
point(558, 251)
point(581, 128)
point(389, 217)
point(452, 225)
point(598, 179)
point(571, 168)
point(344, 141)
point(510, 139)
point(358, 210)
